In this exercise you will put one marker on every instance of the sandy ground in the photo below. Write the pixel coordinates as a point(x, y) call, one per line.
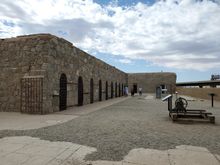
point(139, 122)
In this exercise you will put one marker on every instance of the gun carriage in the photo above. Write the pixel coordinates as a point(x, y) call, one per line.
point(180, 111)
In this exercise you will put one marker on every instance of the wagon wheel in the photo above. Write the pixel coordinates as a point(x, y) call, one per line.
point(181, 104)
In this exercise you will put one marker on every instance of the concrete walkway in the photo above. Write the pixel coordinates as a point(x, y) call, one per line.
point(20, 121)
point(27, 150)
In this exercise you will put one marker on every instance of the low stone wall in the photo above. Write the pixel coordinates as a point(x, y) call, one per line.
point(202, 93)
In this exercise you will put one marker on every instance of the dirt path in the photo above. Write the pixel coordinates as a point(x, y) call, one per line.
point(139, 122)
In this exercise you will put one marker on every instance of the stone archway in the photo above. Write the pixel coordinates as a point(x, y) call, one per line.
point(116, 90)
point(112, 90)
point(80, 91)
point(119, 90)
point(100, 90)
point(63, 92)
point(122, 91)
point(91, 91)
point(106, 90)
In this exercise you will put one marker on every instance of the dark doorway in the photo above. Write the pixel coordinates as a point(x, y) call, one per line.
point(106, 90)
point(91, 91)
point(119, 90)
point(63, 92)
point(112, 92)
point(80, 91)
point(116, 95)
point(163, 87)
point(135, 88)
point(100, 90)
point(122, 91)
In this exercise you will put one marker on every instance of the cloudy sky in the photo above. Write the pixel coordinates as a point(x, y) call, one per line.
point(181, 36)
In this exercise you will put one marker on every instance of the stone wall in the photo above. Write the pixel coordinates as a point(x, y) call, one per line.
point(202, 93)
point(47, 56)
point(50, 56)
point(67, 59)
point(20, 57)
point(149, 81)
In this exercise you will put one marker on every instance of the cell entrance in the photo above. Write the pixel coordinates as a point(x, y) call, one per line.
point(80, 91)
point(119, 90)
point(122, 89)
point(135, 88)
point(163, 88)
point(91, 91)
point(63, 92)
point(116, 90)
point(106, 90)
point(32, 94)
point(112, 90)
point(100, 90)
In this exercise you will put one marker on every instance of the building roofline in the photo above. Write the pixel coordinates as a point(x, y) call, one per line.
point(152, 73)
point(199, 83)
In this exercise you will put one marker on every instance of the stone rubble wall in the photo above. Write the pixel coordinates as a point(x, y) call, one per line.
point(50, 56)
point(73, 62)
point(202, 93)
point(22, 56)
point(149, 81)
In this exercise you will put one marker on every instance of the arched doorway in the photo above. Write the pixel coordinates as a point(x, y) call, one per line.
point(91, 91)
point(100, 90)
point(63, 92)
point(122, 91)
point(116, 95)
point(80, 91)
point(106, 90)
point(112, 92)
point(119, 90)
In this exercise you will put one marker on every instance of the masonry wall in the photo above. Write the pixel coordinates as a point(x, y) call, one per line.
point(202, 93)
point(67, 59)
point(20, 57)
point(50, 56)
point(149, 81)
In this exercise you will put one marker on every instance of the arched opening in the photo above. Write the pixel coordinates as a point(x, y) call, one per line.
point(119, 90)
point(122, 91)
point(100, 90)
point(112, 92)
point(80, 91)
point(116, 92)
point(63, 92)
point(106, 90)
point(135, 87)
point(91, 91)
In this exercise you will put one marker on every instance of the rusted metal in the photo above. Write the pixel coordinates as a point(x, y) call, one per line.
point(31, 100)
point(63, 92)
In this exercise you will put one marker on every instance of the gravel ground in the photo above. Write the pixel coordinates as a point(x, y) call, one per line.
point(133, 123)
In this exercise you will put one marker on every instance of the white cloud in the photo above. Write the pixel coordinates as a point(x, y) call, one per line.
point(124, 61)
point(182, 34)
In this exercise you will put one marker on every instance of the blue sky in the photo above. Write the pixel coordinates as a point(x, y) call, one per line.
point(181, 36)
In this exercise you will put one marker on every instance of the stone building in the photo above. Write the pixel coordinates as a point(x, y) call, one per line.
point(150, 81)
point(43, 73)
